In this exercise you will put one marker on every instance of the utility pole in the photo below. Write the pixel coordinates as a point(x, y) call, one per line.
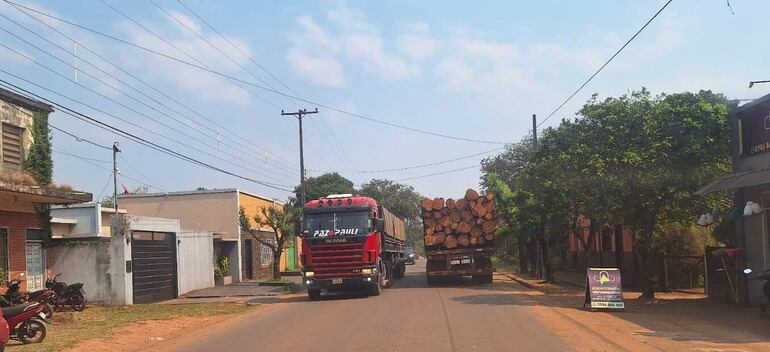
point(299, 115)
point(534, 130)
point(115, 152)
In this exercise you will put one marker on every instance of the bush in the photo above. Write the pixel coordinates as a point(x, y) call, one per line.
point(222, 268)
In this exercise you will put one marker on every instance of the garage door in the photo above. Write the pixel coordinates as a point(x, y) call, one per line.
point(154, 266)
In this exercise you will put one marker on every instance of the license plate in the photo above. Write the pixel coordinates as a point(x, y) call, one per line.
point(336, 281)
point(454, 262)
point(42, 315)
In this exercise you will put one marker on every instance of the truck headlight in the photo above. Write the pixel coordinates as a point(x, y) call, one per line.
point(367, 271)
point(309, 274)
point(411, 256)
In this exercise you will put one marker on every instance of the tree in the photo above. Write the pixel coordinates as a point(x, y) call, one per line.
point(403, 201)
point(662, 148)
point(324, 185)
point(281, 222)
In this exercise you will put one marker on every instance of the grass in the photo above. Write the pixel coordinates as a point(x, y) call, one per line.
point(504, 265)
point(103, 321)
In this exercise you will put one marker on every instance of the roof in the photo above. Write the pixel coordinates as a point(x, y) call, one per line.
point(23, 101)
point(737, 180)
point(188, 193)
point(46, 195)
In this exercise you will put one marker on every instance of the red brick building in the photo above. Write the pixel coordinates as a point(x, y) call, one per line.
point(611, 246)
point(22, 234)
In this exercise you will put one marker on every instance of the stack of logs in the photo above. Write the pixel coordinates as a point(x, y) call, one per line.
point(466, 222)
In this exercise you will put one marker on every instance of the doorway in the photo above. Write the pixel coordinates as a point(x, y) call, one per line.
point(248, 259)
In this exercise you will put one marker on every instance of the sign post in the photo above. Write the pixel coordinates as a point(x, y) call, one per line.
point(604, 289)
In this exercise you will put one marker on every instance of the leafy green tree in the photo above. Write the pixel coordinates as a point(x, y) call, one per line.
point(324, 185)
point(403, 201)
point(660, 150)
point(282, 222)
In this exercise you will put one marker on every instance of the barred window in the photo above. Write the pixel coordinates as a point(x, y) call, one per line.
point(266, 254)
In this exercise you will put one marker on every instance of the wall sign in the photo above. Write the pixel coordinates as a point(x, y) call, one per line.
point(603, 289)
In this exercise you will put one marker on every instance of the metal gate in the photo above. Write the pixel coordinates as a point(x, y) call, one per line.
point(154, 266)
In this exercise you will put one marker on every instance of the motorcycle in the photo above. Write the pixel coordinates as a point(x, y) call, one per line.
point(26, 322)
point(67, 295)
point(765, 275)
point(13, 296)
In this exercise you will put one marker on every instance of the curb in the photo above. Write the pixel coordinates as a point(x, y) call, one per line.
point(517, 279)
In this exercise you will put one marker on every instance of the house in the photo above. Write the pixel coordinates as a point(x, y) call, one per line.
point(128, 259)
point(612, 247)
point(218, 211)
point(748, 182)
point(24, 201)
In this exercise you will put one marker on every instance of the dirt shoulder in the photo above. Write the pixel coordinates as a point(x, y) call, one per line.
point(128, 328)
point(676, 322)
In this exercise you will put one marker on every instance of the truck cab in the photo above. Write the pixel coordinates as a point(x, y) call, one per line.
point(350, 243)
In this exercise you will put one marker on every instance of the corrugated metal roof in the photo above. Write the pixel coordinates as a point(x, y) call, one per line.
point(738, 180)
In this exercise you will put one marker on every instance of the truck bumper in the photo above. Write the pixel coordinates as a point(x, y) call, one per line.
point(344, 283)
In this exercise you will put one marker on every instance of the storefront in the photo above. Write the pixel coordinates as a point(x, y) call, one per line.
point(749, 182)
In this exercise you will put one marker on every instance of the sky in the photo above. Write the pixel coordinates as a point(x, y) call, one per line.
point(475, 72)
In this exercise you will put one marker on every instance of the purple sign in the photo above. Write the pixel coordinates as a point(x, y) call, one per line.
point(754, 130)
point(604, 289)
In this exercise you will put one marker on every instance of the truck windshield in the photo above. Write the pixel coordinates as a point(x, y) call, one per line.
point(337, 224)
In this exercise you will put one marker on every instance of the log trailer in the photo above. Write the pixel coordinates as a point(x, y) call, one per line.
point(350, 243)
point(459, 237)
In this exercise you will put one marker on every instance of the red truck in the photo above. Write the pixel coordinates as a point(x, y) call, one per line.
point(350, 243)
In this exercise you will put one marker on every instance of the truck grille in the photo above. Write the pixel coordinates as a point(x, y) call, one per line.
point(337, 260)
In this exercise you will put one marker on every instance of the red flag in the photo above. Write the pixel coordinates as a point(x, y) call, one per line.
point(125, 190)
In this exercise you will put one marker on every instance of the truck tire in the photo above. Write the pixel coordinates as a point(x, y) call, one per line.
point(483, 279)
point(375, 290)
point(314, 294)
point(388, 265)
point(400, 270)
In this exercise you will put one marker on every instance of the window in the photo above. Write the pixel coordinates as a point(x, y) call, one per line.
point(3, 254)
point(266, 254)
point(12, 146)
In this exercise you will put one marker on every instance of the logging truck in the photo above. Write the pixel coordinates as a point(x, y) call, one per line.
point(459, 236)
point(350, 243)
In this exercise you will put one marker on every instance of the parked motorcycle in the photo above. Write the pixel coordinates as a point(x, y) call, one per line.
point(763, 276)
point(26, 322)
point(13, 296)
point(67, 295)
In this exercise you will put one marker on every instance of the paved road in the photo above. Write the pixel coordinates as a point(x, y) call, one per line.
point(408, 317)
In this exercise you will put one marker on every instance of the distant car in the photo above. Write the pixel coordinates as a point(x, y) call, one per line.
point(409, 256)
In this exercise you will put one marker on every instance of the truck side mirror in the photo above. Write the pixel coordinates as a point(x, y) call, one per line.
point(379, 225)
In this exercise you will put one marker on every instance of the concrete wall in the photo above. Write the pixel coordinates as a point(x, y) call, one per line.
point(194, 264)
point(79, 262)
point(210, 211)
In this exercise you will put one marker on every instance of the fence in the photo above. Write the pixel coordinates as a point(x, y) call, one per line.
point(683, 272)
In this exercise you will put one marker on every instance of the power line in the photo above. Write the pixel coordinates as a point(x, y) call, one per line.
point(82, 157)
point(438, 173)
point(128, 108)
point(138, 171)
point(605, 63)
point(261, 67)
point(133, 137)
point(276, 160)
point(121, 91)
point(79, 139)
point(421, 165)
point(93, 162)
point(235, 79)
point(230, 58)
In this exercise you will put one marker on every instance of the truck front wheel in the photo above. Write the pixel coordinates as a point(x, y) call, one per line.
point(483, 279)
point(314, 294)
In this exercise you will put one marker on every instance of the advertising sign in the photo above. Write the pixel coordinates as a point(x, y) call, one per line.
point(754, 130)
point(604, 289)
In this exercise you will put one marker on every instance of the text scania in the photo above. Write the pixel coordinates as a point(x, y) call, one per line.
point(326, 233)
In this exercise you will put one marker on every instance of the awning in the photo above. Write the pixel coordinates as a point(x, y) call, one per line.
point(738, 180)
